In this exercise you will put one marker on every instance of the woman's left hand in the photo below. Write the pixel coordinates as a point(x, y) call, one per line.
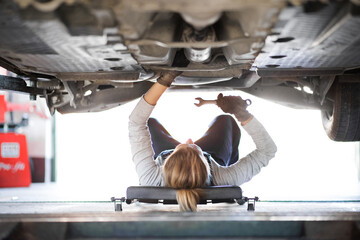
point(166, 78)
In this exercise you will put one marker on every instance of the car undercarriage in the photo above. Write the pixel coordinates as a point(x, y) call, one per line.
point(87, 55)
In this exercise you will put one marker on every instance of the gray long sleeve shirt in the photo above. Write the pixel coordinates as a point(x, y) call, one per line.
point(150, 171)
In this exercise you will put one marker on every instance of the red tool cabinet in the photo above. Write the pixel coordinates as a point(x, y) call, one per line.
point(14, 161)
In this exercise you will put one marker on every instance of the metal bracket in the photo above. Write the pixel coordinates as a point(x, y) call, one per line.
point(205, 44)
point(324, 86)
point(251, 203)
point(118, 203)
point(72, 90)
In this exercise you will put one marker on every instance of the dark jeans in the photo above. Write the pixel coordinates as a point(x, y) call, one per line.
point(221, 140)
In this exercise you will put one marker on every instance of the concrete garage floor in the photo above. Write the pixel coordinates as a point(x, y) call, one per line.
point(104, 211)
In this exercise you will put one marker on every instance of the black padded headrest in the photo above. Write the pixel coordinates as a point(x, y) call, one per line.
point(167, 195)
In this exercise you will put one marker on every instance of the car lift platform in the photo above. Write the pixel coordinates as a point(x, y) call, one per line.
point(98, 220)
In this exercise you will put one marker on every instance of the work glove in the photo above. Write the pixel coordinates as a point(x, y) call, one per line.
point(234, 105)
point(166, 78)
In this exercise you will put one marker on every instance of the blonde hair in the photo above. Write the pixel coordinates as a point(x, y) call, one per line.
point(186, 170)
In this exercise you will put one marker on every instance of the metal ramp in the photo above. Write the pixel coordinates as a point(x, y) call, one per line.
point(98, 220)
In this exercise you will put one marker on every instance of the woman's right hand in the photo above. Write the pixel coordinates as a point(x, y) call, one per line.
point(234, 105)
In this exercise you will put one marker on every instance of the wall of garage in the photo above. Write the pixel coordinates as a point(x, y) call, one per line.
point(38, 131)
point(39, 137)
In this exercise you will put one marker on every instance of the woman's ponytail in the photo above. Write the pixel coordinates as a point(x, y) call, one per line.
point(188, 199)
point(186, 171)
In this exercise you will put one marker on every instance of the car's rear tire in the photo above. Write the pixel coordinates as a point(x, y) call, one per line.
point(342, 121)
